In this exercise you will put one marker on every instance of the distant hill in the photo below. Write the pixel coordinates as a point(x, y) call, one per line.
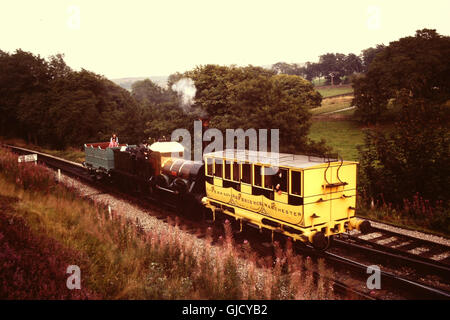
point(127, 82)
point(160, 80)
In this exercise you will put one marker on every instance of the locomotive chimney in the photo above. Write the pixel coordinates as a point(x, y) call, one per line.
point(205, 126)
point(205, 122)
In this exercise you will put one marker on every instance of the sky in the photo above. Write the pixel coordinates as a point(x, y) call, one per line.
point(133, 38)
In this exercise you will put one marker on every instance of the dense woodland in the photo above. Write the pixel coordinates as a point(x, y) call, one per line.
point(47, 103)
point(408, 82)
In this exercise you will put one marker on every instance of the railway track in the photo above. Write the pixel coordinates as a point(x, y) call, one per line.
point(406, 245)
point(424, 255)
point(413, 289)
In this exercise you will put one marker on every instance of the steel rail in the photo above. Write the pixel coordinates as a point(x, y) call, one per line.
point(437, 265)
point(417, 290)
point(425, 267)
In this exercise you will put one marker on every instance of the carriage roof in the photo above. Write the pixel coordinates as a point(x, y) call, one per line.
point(274, 158)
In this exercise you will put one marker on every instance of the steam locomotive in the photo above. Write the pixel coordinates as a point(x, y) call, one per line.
point(314, 198)
point(150, 171)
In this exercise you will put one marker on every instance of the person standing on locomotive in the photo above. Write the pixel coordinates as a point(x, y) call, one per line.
point(114, 141)
point(143, 151)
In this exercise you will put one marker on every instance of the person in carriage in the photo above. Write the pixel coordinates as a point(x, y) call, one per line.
point(114, 141)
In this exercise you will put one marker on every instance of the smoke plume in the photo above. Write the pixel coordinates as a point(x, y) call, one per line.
point(186, 88)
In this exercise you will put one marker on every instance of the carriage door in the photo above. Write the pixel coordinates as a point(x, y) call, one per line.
point(316, 195)
point(343, 194)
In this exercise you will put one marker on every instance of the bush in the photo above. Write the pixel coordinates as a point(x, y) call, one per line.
point(408, 169)
point(33, 266)
point(413, 159)
point(31, 176)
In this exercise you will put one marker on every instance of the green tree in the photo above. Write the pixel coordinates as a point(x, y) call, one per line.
point(146, 91)
point(417, 64)
point(47, 103)
point(412, 159)
point(23, 78)
point(163, 119)
point(369, 54)
point(352, 64)
point(253, 97)
point(287, 68)
point(312, 70)
point(174, 77)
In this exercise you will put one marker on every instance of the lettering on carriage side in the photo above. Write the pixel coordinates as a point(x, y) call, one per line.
point(248, 202)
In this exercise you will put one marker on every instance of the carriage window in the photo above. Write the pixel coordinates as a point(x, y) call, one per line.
point(236, 171)
point(258, 176)
point(296, 182)
point(209, 166)
point(228, 170)
point(268, 175)
point(247, 173)
point(218, 169)
point(282, 181)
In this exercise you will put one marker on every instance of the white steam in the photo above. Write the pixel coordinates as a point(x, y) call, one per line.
point(186, 88)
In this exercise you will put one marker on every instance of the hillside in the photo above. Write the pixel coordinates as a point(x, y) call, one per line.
point(126, 83)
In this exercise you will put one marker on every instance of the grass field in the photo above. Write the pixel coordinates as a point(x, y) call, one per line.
point(319, 82)
point(329, 91)
point(344, 136)
point(333, 104)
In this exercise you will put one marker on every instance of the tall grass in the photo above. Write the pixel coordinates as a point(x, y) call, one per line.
point(26, 175)
point(33, 265)
point(120, 259)
point(416, 213)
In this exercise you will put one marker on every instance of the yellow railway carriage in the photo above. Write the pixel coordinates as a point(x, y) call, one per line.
point(315, 198)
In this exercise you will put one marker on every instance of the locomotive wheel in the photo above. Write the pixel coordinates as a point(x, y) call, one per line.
point(162, 181)
point(158, 181)
point(320, 242)
point(180, 185)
